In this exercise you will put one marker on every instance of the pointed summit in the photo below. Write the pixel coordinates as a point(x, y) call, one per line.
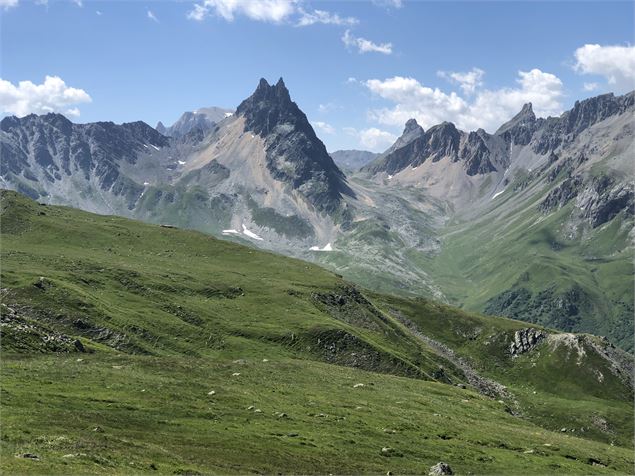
point(412, 131)
point(294, 153)
point(412, 125)
point(266, 102)
point(521, 127)
point(526, 116)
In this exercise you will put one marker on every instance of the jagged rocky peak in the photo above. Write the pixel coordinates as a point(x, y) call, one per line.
point(444, 140)
point(412, 126)
point(559, 131)
point(520, 128)
point(269, 106)
point(294, 154)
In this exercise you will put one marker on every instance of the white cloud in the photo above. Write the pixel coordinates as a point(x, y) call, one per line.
point(615, 63)
point(152, 16)
point(373, 139)
point(51, 96)
point(79, 3)
point(324, 17)
point(590, 86)
point(487, 108)
point(468, 81)
point(388, 3)
point(6, 4)
point(98, 13)
point(365, 46)
point(260, 10)
point(324, 127)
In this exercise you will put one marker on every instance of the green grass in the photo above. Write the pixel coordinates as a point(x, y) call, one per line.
point(167, 315)
point(151, 411)
point(528, 250)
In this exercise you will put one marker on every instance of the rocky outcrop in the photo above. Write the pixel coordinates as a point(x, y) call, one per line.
point(561, 195)
point(476, 155)
point(526, 340)
point(603, 199)
point(440, 469)
point(294, 154)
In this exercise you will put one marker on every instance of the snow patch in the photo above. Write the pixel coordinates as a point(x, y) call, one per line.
point(250, 234)
point(157, 148)
point(145, 146)
point(327, 247)
point(145, 184)
point(497, 194)
point(229, 114)
point(231, 232)
point(389, 177)
point(181, 162)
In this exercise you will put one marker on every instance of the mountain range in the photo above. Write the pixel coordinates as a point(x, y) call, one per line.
point(532, 222)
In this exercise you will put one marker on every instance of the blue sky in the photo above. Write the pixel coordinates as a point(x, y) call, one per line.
point(358, 75)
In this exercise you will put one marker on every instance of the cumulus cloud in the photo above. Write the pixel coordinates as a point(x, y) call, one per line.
point(152, 16)
point(6, 4)
point(486, 108)
point(53, 95)
point(615, 63)
point(324, 17)
point(468, 81)
point(323, 127)
point(365, 46)
point(373, 139)
point(260, 10)
point(590, 86)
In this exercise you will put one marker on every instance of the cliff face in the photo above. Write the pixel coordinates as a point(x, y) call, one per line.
point(294, 154)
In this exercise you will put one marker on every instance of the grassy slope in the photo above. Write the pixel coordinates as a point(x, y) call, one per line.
point(169, 315)
point(600, 265)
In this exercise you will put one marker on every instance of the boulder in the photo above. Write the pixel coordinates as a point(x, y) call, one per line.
point(440, 469)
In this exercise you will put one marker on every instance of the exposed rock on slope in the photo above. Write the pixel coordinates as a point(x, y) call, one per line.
point(520, 128)
point(49, 156)
point(559, 131)
point(294, 154)
point(525, 340)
